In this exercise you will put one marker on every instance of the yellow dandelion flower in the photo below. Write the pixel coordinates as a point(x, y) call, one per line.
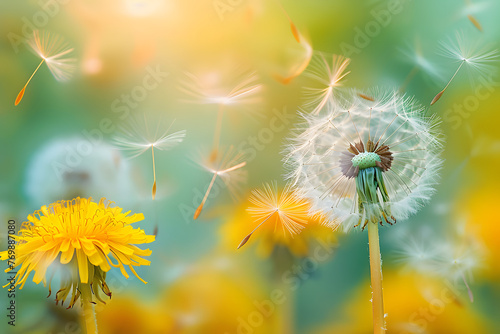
point(88, 238)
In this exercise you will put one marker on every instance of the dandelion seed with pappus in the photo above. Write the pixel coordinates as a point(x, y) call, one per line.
point(317, 98)
point(210, 90)
point(284, 210)
point(53, 51)
point(86, 239)
point(227, 166)
point(478, 60)
point(137, 139)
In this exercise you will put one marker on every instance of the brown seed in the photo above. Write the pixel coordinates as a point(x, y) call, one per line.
point(437, 97)
point(366, 97)
point(20, 96)
point(244, 241)
point(475, 22)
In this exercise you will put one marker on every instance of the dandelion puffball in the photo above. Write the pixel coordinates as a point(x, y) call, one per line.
point(362, 161)
point(69, 167)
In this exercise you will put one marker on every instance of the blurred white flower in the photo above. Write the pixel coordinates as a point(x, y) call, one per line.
point(70, 167)
point(364, 161)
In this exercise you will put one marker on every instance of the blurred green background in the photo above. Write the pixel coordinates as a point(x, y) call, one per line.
point(198, 282)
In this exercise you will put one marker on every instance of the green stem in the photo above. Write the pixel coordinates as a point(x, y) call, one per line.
point(376, 279)
point(88, 309)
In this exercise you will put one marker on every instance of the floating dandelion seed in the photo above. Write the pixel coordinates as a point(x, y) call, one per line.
point(136, 141)
point(475, 22)
point(413, 54)
point(477, 60)
point(473, 8)
point(453, 258)
point(365, 162)
point(227, 166)
point(306, 45)
point(209, 90)
point(53, 51)
point(293, 27)
point(86, 236)
point(335, 72)
point(286, 209)
point(301, 66)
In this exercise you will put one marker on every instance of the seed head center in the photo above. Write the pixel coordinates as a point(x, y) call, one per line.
point(365, 160)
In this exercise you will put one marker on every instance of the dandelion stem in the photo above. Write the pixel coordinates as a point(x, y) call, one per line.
point(376, 279)
point(154, 172)
point(88, 310)
point(198, 211)
point(21, 93)
point(287, 312)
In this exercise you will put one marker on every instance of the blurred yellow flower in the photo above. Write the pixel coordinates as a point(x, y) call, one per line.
point(482, 224)
point(91, 231)
point(413, 304)
point(128, 315)
point(212, 297)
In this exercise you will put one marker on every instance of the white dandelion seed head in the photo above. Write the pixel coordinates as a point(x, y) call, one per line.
point(55, 51)
point(479, 59)
point(407, 143)
point(69, 167)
